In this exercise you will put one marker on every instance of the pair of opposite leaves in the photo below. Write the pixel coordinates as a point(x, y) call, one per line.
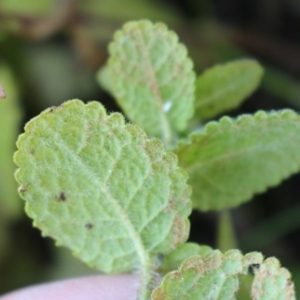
point(81, 171)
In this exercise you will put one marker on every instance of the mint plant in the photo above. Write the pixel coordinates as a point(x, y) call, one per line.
point(118, 194)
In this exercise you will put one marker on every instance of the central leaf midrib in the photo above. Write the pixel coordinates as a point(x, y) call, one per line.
point(199, 103)
point(154, 87)
point(257, 148)
point(139, 246)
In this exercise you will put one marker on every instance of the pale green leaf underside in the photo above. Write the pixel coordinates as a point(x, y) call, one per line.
point(211, 277)
point(152, 78)
point(224, 87)
point(215, 277)
point(101, 188)
point(231, 160)
point(272, 282)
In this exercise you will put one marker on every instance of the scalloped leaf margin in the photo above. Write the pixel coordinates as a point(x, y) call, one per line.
point(231, 160)
point(215, 277)
point(101, 188)
point(151, 77)
point(174, 259)
point(224, 87)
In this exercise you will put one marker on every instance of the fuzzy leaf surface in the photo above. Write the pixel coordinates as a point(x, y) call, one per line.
point(231, 160)
point(173, 260)
point(211, 277)
point(271, 281)
point(224, 87)
point(101, 188)
point(152, 78)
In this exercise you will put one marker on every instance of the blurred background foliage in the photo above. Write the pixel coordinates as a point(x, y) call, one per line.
point(50, 52)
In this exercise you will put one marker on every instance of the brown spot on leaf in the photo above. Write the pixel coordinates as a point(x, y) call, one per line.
point(22, 189)
point(159, 294)
point(88, 225)
point(62, 196)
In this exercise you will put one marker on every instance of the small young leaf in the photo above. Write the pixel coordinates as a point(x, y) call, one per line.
point(173, 260)
point(272, 282)
point(101, 188)
point(231, 160)
point(224, 87)
point(152, 78)
point(103, 76)
point(213, 277)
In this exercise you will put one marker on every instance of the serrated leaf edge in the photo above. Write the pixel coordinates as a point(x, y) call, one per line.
point(167, 134)
point(220, 68)
point(246, 119)
point(251, 261)
point(147, 259)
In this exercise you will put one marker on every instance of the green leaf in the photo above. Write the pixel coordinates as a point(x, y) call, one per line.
point(231, 160)
point(103, 76)
point(224, 87)
point(101, 188)
point(213, 277)
point(9, 128)
point(272, 282)
point(152, 78)
point(173, 260)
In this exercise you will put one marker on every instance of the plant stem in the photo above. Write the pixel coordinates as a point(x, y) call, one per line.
point(226, 237)
point(148, 279)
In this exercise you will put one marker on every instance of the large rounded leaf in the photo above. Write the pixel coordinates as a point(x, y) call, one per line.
point(101, 188)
